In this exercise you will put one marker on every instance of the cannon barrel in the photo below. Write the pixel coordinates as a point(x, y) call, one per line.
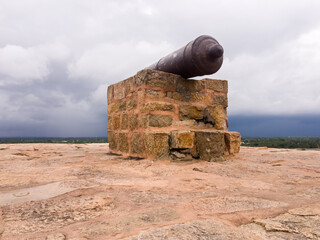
point(202, 56)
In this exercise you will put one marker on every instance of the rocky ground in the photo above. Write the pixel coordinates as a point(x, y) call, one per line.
point(69, 191)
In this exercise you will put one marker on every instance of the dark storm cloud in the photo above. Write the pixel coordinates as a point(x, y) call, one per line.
point(276, 126)
point(56, 62)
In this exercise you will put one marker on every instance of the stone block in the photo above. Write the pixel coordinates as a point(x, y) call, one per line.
point(141, 95)
point(220, 100)
point(217, 85)
point(143, 121)
point(208, 116)
point(132, 104)
point(119, 105)
point(191, 112)
point(133, 121)
point(200, 97)
point(160, 120)
point(210, 144)
point(124, 121)
point(188, 123)
point(175, 96)
point(112, 108)
point(182, 139)
point(136, 143)
point(110, 123)
point(113, 140)
point(119, 90)
point(157, 145)
point(156, 79)
point(122, 106)
point(116, 122)
point(128, 86)
point(156, 106)
point(217, 115)
point(154, 94)
point(233, 141)
point(189, 85)
point(110, 93)
point(190, 97)
point(123, 142)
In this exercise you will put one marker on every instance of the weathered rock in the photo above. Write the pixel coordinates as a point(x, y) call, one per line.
point(123, 142)
point(216, 115)
point(157, 145)
point(113, 140)
point(217, 85)
point(116, 122)
point(189, 123)
point(124, 121)
point(156, 79)
point(143, 121)
point(182, 139)
point(210, 145)
point(81, 238)
point(119, 90)
point(160, 120)
point(110, 93)
point(187, 86)
point(220, 100)
point(201, 98)
point(156, 106)
point(175, 95)
point(136, 143)
point(125, 224)
point(110, 123)
point(233, 141)
point(128, 85)
point(133, 121)
point(57, 236)
point(122, 106)
point(191, 112)
point(303, 222)
point(208, 116)
point(132, 104)
point(84, 192)
point(178, 155)
point(199, 229)
point(113, 107)
point(155, 94)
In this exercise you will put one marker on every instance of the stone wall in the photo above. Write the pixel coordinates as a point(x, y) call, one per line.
point(159, 115)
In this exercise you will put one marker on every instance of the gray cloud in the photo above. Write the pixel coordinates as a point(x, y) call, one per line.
point(57, 57)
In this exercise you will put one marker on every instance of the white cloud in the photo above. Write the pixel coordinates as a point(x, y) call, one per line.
point(99, 96)
point(283, 80)
point(59, 58)
point(21, 63)
point(24, 65)
point(113, 62)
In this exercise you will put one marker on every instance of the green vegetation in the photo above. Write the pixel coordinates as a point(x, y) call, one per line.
point(285, 142)
point(55, 140)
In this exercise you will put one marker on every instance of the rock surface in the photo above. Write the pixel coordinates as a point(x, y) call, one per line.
point(78, 191)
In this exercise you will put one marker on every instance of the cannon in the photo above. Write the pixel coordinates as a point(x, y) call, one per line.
point(202, 56)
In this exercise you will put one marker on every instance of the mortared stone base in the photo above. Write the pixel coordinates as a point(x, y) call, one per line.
point(159, 115)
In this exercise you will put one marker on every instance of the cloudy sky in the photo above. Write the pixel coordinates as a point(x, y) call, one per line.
point(57, 57)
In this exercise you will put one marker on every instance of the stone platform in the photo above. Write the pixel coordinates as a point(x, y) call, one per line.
point(159, 115)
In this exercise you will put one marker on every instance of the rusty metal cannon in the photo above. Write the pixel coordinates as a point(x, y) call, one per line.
point(202, 56)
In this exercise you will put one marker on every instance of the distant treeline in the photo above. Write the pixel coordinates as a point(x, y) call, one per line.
point(283, 142)
point(55, 140)
point(287, 142)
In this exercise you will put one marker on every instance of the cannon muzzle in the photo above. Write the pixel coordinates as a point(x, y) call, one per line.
point(202, 56)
